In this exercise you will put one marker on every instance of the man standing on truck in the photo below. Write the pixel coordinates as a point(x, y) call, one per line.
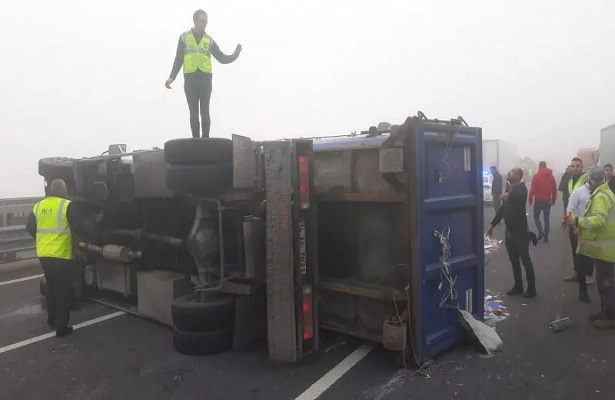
point(543, 193)
point(597, 240)
point(496, 187)
point(194, 51)
point(50, 224)
point(517, 232)
point(577, 179)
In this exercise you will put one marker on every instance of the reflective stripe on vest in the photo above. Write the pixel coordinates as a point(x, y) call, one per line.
point(53, 235)
point(197, 55)
point(580, 182)
point(598, 243)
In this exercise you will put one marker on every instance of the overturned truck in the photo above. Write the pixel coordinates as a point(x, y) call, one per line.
point(378, 235)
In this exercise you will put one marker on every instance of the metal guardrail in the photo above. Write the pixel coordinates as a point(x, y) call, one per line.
point(15, 242)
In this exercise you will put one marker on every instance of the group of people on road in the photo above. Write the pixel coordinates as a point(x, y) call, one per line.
point(589, 215)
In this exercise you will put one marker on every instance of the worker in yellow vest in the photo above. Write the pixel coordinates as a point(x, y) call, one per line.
point(577, 180)
point(194, 51)
point(597, 240)
point(50, 224)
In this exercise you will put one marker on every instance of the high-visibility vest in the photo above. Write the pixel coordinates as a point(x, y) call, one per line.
point(53, 236)
point(197, 55)
point(580, 182)
point(598, 226)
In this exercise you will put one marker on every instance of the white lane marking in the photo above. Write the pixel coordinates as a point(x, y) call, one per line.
point(27, 278)
point(52, 334)
point(324, 383)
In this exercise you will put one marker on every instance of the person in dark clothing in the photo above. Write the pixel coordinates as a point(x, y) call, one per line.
point(608, 173)
point(51, 223)
point(496, 187)
point(543, 193)
point(563, 187)
point(517, 233)
point(194, 51)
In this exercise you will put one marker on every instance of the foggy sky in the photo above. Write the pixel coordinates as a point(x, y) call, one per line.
point(80, 75)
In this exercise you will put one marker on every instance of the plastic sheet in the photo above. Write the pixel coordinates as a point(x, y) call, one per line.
point(495, 311)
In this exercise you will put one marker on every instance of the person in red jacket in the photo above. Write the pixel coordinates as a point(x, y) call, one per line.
point(543, 192)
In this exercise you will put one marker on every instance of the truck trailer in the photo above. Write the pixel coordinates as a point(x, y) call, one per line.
point(377, 235)
point(606, 151)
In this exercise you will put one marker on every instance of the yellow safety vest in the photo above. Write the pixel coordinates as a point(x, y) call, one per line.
point(53, 236)
point(197, 55)
point(580, 182)
point(598, 226)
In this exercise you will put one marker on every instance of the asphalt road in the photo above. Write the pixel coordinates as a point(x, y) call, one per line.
point(130, 358)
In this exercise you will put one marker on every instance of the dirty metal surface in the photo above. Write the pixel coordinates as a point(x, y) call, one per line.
point(279, 254)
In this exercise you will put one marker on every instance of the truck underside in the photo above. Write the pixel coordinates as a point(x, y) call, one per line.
point(241, 239)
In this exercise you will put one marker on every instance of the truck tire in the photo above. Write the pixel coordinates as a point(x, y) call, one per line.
point(56, 167)
point(211, 314)
point(202, 344)
point(198, 151)
point(196, 179)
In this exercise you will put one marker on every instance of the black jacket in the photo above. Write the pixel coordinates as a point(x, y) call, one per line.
point(513, 210)
point(563, 185)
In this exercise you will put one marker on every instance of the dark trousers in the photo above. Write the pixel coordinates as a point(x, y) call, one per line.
point(58, 274)
point(197, 86)
point(518, 247)
point(543, 207)
point(583, 265)
point(565, 200)
point(605, 281)
point(497, 202)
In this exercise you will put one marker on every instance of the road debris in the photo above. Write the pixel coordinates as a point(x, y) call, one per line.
point(491, 245)
point(495, 311)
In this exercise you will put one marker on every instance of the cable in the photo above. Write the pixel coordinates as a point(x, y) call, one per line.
point(426, 369)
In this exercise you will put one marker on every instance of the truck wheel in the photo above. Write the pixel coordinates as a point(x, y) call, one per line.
point(199, 151)
point(202, 344)
point(56, 167)
point(192, 314)
point(196, 179)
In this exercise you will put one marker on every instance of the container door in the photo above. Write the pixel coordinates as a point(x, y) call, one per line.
point(447, 200)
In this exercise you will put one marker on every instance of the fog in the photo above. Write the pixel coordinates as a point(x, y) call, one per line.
point(80, 75)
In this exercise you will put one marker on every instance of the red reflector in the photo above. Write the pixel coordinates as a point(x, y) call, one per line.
point(304, 181)
point(308, 313)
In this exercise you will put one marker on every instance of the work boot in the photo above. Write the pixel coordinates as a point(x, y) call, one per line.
point(572, 278)
point(515, 291)
point(597, 316)
point(605, 324)
point(530, 293)
point(65, 331)
point(584, 296)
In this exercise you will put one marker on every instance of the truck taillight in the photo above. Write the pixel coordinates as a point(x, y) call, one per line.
point(308, 313)
point(304, 182)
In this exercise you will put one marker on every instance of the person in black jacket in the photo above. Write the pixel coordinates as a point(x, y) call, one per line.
point(496, 187)
point(517, 232)
point(563, 187)
point(608, 172)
